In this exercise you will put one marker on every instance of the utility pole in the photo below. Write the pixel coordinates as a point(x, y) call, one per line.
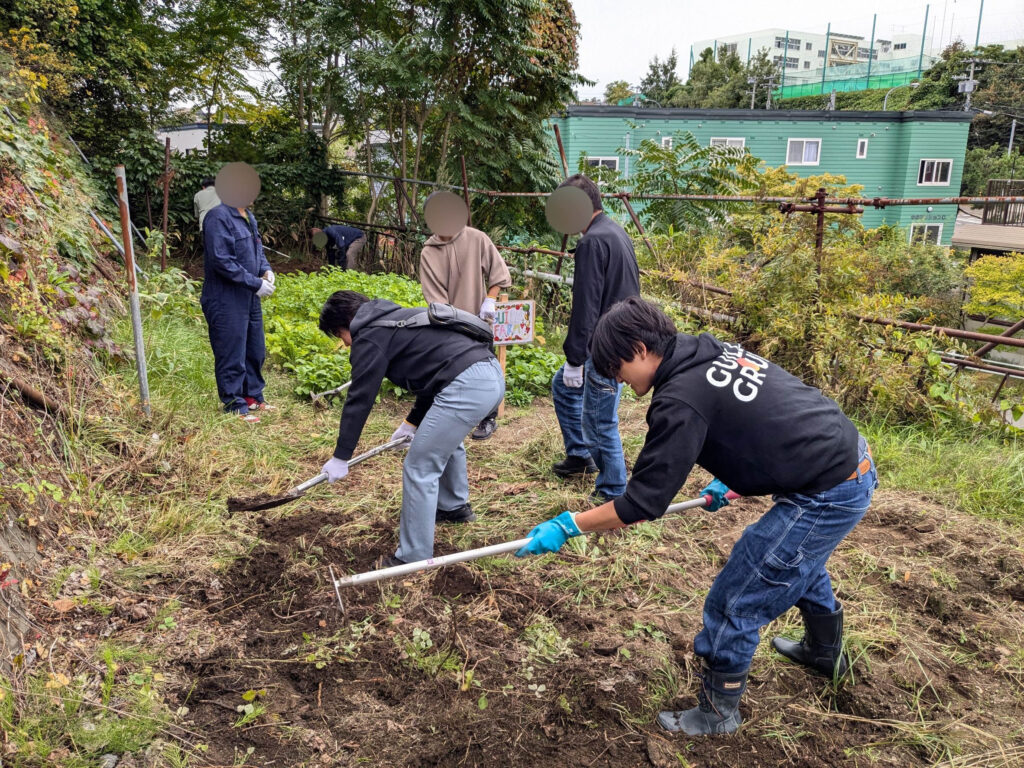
point(771, 84)
point(967, 82)
point(1013, 133)
point(752, 81)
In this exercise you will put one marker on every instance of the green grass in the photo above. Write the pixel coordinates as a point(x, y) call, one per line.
point(978, 474)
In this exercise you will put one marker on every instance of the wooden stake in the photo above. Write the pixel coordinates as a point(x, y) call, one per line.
point(502, 351)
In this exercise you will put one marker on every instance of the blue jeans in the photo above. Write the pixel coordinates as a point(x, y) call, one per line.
point(434, 471)
point(589, 419)
point(779, 562)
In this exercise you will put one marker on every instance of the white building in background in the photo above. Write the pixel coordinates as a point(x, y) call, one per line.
point(187, 139)
point(798, 51)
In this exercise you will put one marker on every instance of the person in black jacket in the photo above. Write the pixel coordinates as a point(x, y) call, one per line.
point(457, 381)
point(761, 431)
point(587, 403)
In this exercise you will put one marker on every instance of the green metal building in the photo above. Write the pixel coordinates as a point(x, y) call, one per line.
point(892, 154)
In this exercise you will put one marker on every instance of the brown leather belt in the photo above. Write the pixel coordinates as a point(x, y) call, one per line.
point(863, 467)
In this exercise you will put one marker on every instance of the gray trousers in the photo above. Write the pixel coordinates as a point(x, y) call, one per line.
point(434, 472)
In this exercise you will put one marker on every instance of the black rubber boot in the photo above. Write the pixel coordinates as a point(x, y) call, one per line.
point(822, 646)
point(718, 708)
point(574, 466)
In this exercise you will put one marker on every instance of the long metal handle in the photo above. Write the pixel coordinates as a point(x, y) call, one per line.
point(302, 488)
point(474, 554)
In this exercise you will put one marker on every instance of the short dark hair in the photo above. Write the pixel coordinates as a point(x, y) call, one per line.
point(207, 182)
point(588, 186)
point(623, 328)
point(338, 311)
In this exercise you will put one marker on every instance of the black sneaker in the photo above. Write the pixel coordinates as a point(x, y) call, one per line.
point(463, 514)
point(574, 466)
point(484, 429)
point(387, 561)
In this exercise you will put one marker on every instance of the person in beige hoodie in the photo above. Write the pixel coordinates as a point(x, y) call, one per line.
point(466, 271)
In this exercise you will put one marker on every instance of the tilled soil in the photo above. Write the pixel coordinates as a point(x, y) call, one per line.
point(934, 619)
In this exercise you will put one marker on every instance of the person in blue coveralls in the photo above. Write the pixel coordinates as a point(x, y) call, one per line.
point(237, 276)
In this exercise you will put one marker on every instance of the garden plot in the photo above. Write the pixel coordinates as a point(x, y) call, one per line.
point(566, 659)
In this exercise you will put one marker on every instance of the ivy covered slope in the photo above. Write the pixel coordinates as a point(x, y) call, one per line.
point(318, 363)
point(65, 439)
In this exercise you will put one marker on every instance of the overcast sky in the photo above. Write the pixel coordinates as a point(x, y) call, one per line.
point(618, 39)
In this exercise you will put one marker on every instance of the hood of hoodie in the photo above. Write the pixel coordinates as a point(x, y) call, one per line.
point(435, 240)
point(685, 352)
point(372, 310)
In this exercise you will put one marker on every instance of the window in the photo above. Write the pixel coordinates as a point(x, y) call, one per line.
point(807, 65)
point(792, 44)
point(603, 162)
point(821, 54)
point(925, 234)
point(666, 142)
point(803, 152)
point(729, 49)
point(934, 173)
point(734, 142)
point(792, 62)
point(862, 148)
point(900, 47)
point(808, 46)
point(865, 53)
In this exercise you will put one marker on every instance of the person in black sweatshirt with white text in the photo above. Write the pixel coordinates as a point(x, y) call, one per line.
point(457, 381)
point(759, 430)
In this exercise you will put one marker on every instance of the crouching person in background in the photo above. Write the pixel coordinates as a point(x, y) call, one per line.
point(457, 381)
point(760, 431)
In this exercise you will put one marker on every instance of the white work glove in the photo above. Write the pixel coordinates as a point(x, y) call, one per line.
point(266, 288)
point(572, 376)
point(335, 469)
point(270, 277)
point(406, 430)
point(487, 310)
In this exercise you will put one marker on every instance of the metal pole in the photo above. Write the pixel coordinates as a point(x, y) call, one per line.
point(924, 34)
point(977, 35)
point(624, 197)
point(475, 554)
point(465, 190)
point(1013, 132)
point(970, 88)
point(750, 41)
point(824, 66)
point(133, 295)
point(167, 191)
point(871, 48)
point(561, 150)
point(785, 60)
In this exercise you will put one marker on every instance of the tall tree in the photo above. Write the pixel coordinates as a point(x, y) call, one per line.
point(661, 81)
point(616, 91)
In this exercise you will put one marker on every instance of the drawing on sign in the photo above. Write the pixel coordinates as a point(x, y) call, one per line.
point(513, 322)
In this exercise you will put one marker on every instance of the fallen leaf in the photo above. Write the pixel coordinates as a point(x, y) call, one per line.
point(63, 605)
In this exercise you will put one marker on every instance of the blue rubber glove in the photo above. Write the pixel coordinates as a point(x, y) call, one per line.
point(550, 535)
point(717, 490)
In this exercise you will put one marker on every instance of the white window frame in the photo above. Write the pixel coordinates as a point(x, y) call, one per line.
point(733, 142)
point(595, 161)
point(789, 143)
point(666, 142)
point(862, 148)
point(920, 172)
point(926, 225)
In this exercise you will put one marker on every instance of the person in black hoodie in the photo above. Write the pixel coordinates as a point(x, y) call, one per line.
point(586, 403)
point(759, 430)
point(457, 381)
